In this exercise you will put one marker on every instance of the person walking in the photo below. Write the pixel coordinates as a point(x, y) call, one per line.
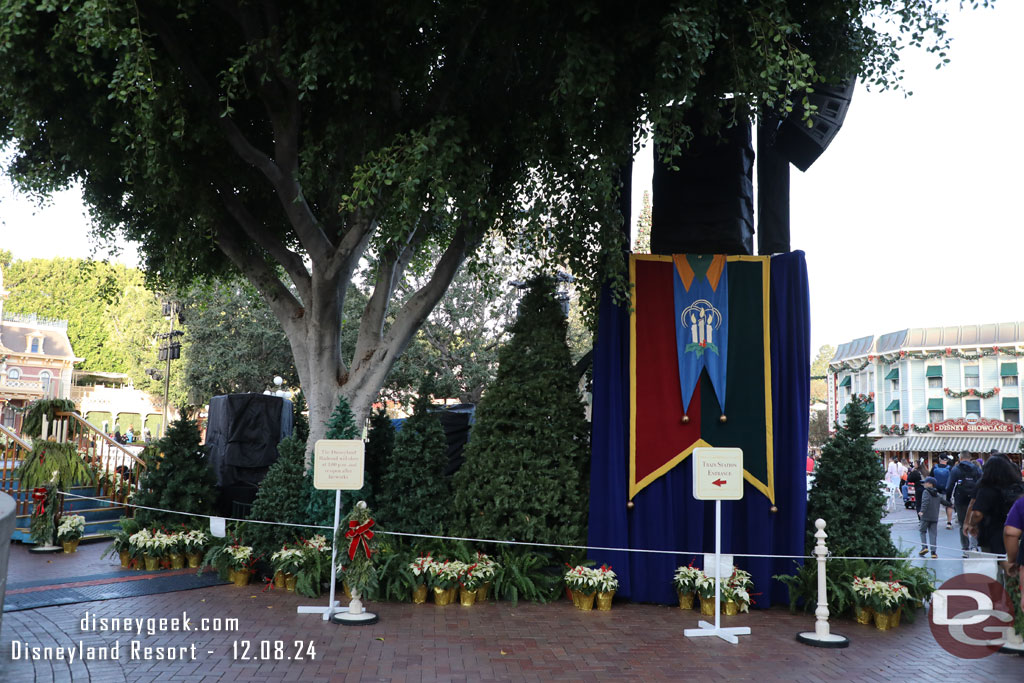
point(1012, 531)
point(941, 474)
point(1000, 485)
point(963, 483)
point(916, 479)
point(929, 516)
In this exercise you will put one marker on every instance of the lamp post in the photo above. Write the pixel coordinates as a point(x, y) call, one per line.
point(168, 352)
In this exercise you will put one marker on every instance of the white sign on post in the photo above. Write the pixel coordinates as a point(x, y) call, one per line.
point(717, 473)
point(717, 476)
point(338, 464)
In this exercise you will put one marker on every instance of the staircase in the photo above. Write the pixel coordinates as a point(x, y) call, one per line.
point(103, 454)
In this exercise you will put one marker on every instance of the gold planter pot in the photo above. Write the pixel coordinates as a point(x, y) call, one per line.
point(419, 594)
point(707, 606)
point(482, 591)
point(586, 602)
point(126, 558)
point(289, 582)
point(575, 598)
point(863, 614)
point(177, 561)
point(152, 563)
point(686, 600)
point(70, 546)
point(194, 559)
point(279, 579)
point(730, 608)
point(883, 621)
point(604, 601)
point(894, 618)
point(467, 597)
point(239, 577)
point(443, 596)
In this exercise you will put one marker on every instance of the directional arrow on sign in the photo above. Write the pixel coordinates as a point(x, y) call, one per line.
point(719, 482)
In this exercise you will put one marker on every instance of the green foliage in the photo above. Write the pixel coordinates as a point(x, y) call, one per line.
point(846, 492)
point(320, 508)
point(803, 583)
point(525, 476)
point(282, 497)
point(526, 575)
point(300, 423)
point(32, 424)
point(380, 444)
point(48, 457)
point(177, 477)
point(43, 526)
point(126, 527)
point(236, 343)
point(416, 496)
point(358, 571)
point(819, 368)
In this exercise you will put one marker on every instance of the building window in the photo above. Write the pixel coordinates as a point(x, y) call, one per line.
point(972, 406)
point(35, 345)
point(1011, 416)
point(44, 378)
point(934, 382)
point(935, 416)
point(1009, 380)
point(14, 373)
point(895, 417)
point(895, 385)
point(971, 377)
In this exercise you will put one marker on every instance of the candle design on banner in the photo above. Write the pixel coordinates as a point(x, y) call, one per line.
point(701, 295)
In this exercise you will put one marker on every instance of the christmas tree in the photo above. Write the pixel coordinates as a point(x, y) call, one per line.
point(525, 472)
point(416, 496)
point(846, 492)
point(380, 443)
point(282, 497)
point(299, 419)
point(177, 477)
point(320, 509)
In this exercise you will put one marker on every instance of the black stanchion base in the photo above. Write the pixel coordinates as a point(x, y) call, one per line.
point(833, 641)
point(363, 619)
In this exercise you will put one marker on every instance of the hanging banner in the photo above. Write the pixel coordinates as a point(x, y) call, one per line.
point(729, 391)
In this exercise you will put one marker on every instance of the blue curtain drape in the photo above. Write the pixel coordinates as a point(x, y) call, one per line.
point(665, 515)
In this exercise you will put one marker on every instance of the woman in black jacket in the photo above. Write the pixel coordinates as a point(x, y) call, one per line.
point(999, 480)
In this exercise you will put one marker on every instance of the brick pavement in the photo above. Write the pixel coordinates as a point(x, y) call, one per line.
point(493, 641)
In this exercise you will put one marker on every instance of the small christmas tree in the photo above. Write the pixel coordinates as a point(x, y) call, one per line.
point(416, 496)
point(525, 473)
point(177, 477)
point(282, 498)
point(320, 510)
point(380, 443)
point(846, 492)
point(299, 420)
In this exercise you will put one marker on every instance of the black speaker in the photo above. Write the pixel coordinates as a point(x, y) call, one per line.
point(801, 144)
point(707, 205)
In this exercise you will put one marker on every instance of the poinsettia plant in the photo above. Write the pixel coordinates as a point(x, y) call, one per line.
point(686, 578)
point(288, 560)
point(71, 528)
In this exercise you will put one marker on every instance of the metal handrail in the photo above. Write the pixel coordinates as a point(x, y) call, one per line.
point(103, 437)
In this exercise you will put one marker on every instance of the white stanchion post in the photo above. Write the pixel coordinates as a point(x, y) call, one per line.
point(821, 637)
point(332, 604)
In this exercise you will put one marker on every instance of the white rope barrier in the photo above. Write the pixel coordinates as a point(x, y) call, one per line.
point(526, 543)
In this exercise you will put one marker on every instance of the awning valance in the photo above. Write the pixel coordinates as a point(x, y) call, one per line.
point(935, 404)
point(845, 382)
point(890, 443)
point(933, 371)
point(893, 404)
point(1008, 370)
point(893, 374)
point(958, 444)
point(1011, 403)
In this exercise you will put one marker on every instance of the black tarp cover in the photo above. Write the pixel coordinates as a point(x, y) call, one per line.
point(242, 435)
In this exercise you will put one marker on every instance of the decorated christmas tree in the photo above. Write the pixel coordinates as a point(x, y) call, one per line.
point(177, 477)
point(320, 509)
point(283, 497)
point(846, 492)
point(525, 472)
point(380, 443)
point(416, 496)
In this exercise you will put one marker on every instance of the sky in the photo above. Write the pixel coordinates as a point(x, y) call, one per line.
point(909, 218)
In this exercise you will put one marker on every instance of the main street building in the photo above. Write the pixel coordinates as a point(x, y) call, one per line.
point(929, 390)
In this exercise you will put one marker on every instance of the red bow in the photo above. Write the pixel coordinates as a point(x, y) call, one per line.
point(359, 534)
point(39, 495)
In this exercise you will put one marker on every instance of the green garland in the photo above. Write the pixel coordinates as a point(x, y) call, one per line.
point(975, 393)
point(358, 570)
point(32, 425)
point(949, 352)
point(48, 457)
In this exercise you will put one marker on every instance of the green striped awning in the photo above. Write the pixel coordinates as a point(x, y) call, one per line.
point(1011, 403)
point(845, 382)
point(933, 371)
point(845, 409)
point(869, 407)
point(935, 404)
point(1008, 370)
point(893, 404)
point(893, 374)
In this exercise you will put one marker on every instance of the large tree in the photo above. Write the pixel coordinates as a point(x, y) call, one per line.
point(819, 369)
point(292, 141)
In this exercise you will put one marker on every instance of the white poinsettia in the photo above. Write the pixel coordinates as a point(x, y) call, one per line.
point(421, 565)
point(686, 578)
point(71, 528)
